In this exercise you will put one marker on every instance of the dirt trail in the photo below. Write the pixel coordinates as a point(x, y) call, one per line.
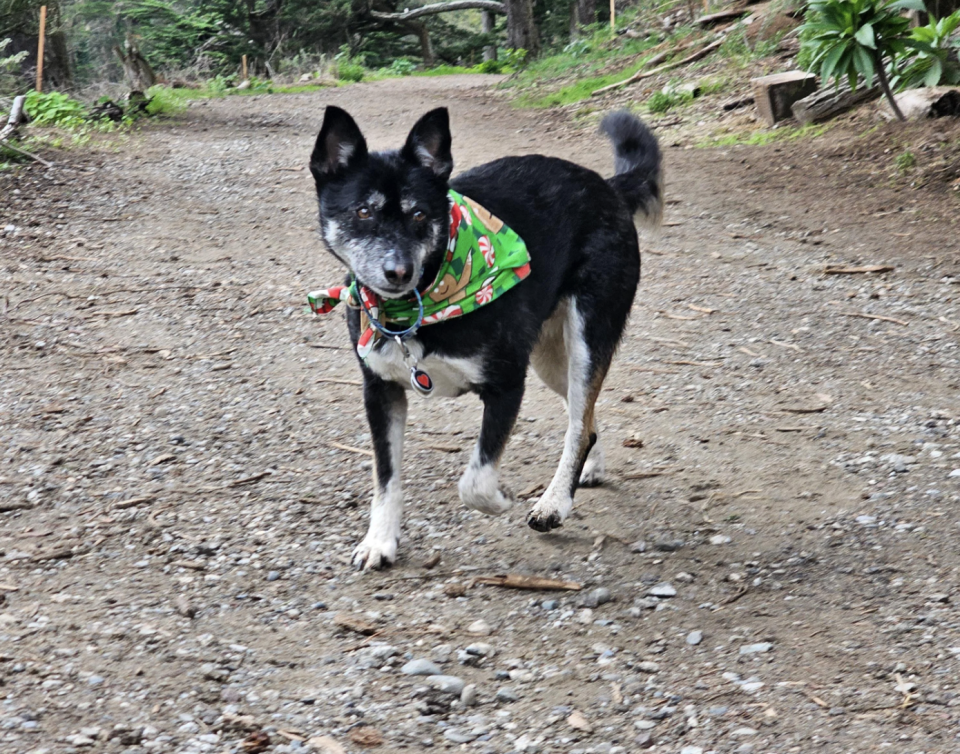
point(179, 509)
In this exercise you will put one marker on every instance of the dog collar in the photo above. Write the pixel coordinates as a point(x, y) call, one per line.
point(483, 260)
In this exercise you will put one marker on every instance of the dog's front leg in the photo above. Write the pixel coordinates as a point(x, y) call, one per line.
point(386, 404)
point(479, 486)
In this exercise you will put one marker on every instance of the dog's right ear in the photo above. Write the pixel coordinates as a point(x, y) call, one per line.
point(339, 144)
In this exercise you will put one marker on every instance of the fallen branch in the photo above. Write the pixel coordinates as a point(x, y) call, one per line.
point(350, 448)
point(429, 10)
point(519, 581)
point(16, 117)
point(855, 270)
point(640, 75)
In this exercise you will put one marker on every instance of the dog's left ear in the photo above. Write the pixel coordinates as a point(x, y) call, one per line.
point(339, 144)
point(429, 143)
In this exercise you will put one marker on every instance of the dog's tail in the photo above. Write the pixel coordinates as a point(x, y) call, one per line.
point(639, 174)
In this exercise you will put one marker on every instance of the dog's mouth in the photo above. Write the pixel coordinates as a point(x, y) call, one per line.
point(389, 291)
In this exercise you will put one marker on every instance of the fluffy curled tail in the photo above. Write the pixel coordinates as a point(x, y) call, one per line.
point(639, 174)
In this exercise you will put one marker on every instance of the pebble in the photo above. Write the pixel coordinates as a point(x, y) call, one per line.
point(481, 649)
point(585, 616)
point(644, 740)
point(273, 575)
point(752, 649)
point(648, 666)
point(954, 473)
point(694, 638)
point(664, 589)
point(668, 545)
point(550, 604)
point(480, 627)
point(638, 546)
point(507, 694)
point(459, 736)
point(720, 539)
point(448, 684)
point(421, 666)
point(743, 732)
point(468, 697)
point(78, 740)
point(684, 578)
point(691, 750)
point(596, 597)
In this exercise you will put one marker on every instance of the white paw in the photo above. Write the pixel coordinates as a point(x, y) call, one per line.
point(593, 473)
point(493, 504)
point(375, 553)
point(549, 512)
point(480, 489)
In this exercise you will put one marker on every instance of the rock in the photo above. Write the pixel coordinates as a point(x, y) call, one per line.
point(273, 575)
point(306, 77)
point(954, 473)
point(641, 546)
point(648, 667)
point(664, 590)
point(684, 578)
point(78, 740)
point(585, 616)
point(753, 649)
point(691, 750)
point(481, 649)
point(720, 539)
point(550, 604)
point(925, 102)
point(480, 627)
point(448, 684)
point(596, 597)
point(506, 694)
point(644, 740)
point(421, 667)
point(577, 721)
point(665, 544)
point(459, 736)
point(468, 697)
point(694, 638)
point(743, 732)
point(326, 745)
point(525, 743)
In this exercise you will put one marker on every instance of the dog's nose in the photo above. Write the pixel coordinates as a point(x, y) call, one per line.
point(397, 272)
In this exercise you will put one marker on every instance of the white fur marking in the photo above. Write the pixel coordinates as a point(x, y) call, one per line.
point(451, 376)
point(376, 200)
point(479, 487)
point(345, 153)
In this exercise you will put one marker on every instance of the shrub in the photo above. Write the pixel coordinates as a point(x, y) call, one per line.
point(932, 64)
point(55, 109)
point(401, 67)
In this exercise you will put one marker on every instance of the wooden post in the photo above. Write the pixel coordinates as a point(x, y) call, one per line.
point(243, 68)
point(613, 15)
point(43, 31)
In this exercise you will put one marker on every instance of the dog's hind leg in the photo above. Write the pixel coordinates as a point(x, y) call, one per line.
point(480, 486)
point(586, 368)
point(549, 360)
point(386, 404)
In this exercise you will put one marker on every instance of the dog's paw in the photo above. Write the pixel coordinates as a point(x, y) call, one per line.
point(372, 554)
point(593, 474)
point(549, 512)
point(480, 490)
point(539, 521)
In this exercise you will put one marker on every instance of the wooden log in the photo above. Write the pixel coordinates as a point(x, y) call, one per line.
point(640, 75)
point(828, 103)
point(429, 10)
point(16, 117)
point(776, 94)
point(926, 102)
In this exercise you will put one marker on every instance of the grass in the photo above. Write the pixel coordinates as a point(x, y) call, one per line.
point(767, 136)
point(905, 161)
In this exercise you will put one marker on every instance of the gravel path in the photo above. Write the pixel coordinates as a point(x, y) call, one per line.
point(771, 568)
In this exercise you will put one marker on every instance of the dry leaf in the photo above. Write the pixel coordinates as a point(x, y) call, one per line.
point(633, 441)
point(366, 736)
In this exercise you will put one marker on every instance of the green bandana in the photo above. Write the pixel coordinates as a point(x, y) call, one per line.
point(484, 260)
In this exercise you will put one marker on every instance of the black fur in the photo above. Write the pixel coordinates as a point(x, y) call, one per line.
point(578, 228)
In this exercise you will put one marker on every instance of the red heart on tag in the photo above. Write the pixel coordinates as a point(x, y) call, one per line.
point(423, 379)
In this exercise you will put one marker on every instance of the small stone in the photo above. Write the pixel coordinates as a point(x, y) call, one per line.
point(641, 546)
point(596, 597)
point(459, 736)
point(506, 694)
point(421, 667)
point(648, 667)
point(78, 740)
point(448, 684)
point(644, 725)
point(585, 616)
point(95, 680)
point(954, 473)
point(751, 686)
point(644, 740)
point(866, 520)
point(753, 649)
point(577, 721)
point(691, 750)
point(694, 638)
point(668, 545)
point(468, 697)
point(664, 590)
point(480, 627)
point(684, 578)
point(743, 732)
point(273, 575)
point(720, 539)
point(481, 649)
point(550, 604)
point(944, 598)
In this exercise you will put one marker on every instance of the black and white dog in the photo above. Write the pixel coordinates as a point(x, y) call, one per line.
point(385, 214)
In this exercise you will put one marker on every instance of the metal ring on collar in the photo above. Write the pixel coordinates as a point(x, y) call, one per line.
point(402, 334)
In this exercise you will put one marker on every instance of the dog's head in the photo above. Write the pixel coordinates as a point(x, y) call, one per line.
point(384, 214)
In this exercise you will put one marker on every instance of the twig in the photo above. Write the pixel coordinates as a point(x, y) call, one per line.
point(339, 382)
point(7, 145)
point(874, 316)
point(349, 448)
point(134, 501)
point(640, 75)
point(248, 479)
point(855, 270)
point(520, 581)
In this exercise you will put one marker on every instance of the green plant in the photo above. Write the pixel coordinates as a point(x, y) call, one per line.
point(349, 67)
point(856, 39)
point(55, 109)
point(932, 63)
point(660, 102)
point(905, 161)
point(163, 101)
point(402, 67)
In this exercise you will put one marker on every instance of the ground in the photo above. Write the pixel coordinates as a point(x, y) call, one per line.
point(185, 473)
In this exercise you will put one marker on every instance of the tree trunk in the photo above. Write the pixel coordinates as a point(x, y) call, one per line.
point(489, 51)
point(521, 27)
point(583, 13)
point(135, 66)
point(423, 34)
point(885, 88)
point(940, 8)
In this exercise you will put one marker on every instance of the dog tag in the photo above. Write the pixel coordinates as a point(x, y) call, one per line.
point(421, 381)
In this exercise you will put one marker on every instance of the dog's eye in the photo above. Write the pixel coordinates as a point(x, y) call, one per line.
point(364, 213)
point(419, 216)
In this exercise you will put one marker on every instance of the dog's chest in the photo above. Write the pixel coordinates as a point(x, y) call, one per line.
point(451, 376)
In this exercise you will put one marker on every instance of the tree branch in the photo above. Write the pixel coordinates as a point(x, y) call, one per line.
point(429, 10)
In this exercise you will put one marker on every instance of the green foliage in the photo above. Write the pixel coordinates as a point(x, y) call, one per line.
point(9, 64)
point(55, 109)
point(401, 67)
point(905, 161)
point(349, 67)
point(934, 60)
point(164, 101)
point(667, 98)
point(854, 39)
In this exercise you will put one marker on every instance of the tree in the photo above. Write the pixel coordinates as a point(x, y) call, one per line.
point(522, 31)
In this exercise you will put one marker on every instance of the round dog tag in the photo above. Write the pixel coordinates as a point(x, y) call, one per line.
point(421, 381)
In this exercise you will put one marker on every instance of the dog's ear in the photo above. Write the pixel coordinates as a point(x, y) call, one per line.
point(429, 143)
point(339, 144)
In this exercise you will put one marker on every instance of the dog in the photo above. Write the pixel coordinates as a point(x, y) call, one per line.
point(385, 216)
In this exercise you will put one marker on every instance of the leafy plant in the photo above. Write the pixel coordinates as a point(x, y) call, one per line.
point(660, 102)
point(349, 67)
point(55, 109)
point(402, 67)
point(905, 161)
point(932, 64)
point(857, 39)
